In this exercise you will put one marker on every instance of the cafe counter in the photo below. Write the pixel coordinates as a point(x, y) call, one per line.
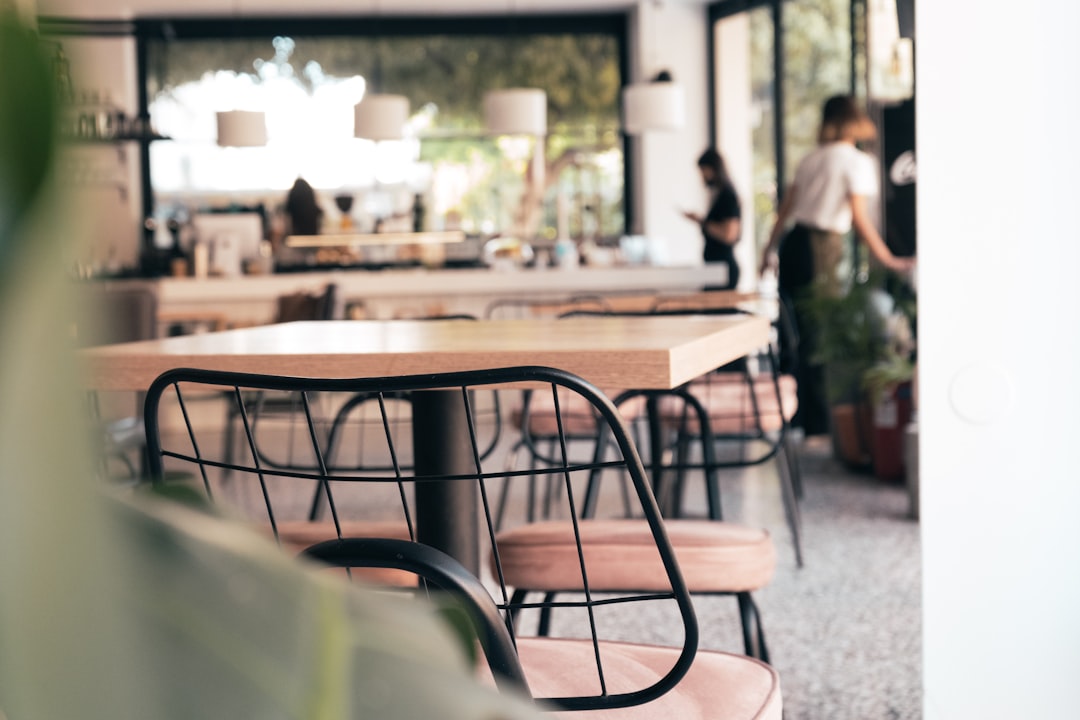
point(403, 293)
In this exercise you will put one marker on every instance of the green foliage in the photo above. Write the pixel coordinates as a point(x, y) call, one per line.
point(27, 121)
point(891, 370)
point(817, 65)
point(853, 335)
point(461, 627)
point(848, 327)
point(178, 492)
point(817, 52)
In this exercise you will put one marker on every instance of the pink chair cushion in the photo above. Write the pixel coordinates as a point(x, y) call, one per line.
point(621, 555)
point(727, 399)
point(578, 416)
point(718, 686)
point(304, 533)
point(297, 535)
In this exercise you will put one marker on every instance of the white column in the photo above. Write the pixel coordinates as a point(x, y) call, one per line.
point(999, 349)
point(671, 37)
point(734, 137)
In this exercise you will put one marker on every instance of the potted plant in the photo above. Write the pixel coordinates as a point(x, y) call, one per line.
point(865, 341)
point(888, 385)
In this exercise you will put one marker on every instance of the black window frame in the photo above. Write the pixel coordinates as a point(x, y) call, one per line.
point(616, 24)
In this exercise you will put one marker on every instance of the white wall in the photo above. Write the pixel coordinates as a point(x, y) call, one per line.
point(107, 178)
point(672, 37)
point(734, 130)
point(998, 152)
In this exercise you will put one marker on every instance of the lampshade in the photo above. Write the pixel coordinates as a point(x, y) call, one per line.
point(516, 111)
point(241, 128)
point(653, 106)
point(381, 117)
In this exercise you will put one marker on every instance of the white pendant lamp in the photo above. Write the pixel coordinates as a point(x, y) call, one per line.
point(516, 111)
point(381, 117)
point(656, 105)
point(241, 128)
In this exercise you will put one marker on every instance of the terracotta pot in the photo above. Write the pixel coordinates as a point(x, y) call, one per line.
point(892, 413)
point(851, 439)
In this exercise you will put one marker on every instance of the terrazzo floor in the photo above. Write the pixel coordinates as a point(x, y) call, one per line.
point(845, 630)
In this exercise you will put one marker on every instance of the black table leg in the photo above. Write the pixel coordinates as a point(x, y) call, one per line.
point(661, 489)
point(446, 511)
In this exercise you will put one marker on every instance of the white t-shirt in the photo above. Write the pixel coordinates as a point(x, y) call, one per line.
point(825, 179)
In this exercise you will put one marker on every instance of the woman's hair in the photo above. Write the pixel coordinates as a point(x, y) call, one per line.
point(842, 119)
point(712, 159)
point(303, 209)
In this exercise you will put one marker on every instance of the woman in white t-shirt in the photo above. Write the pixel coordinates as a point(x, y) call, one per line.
point(829, 196)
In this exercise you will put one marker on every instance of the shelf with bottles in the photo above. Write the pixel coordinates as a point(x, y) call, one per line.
point(103, 124)
point(91, 118)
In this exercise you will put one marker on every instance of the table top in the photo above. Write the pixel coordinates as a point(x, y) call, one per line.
point(638, 352)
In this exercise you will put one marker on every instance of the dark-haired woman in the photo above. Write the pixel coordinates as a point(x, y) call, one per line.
point(302, 210)
point(722, 225)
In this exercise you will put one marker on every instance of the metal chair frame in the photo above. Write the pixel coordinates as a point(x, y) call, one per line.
point(528, 440)
point(290, 409)
point(779, 447)
point(187, 451)
point(108, 314)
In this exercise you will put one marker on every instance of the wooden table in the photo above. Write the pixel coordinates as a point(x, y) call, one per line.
point(641, 352)
point(647, 353)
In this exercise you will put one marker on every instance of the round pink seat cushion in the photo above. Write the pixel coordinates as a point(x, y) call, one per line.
point(713, 556)
point(718, 686)
point(300, 534)
point(727, 399)
point(578, 414)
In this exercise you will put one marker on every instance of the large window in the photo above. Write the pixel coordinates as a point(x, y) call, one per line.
point(817, 64)
point(307, 76)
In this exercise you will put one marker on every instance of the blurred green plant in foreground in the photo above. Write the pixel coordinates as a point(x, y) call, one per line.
point(127, 607)
point(27, 114)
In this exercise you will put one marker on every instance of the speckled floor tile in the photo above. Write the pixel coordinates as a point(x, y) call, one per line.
point(845, 630)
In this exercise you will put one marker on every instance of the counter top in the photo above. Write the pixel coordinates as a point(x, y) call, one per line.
point(412, 292)
point(415, 282)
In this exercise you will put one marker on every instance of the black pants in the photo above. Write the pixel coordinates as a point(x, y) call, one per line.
point(733, 278)
point(796, 278)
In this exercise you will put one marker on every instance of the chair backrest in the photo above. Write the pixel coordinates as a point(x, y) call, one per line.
point(443, 572)
point(510, 308)
point(116, 314)
point(178, 440)
point(108, 313)
point(307, 306)
point(270, 415)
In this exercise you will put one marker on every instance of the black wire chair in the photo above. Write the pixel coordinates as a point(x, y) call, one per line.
point(353, 415)
point(533, 415)
point(590, 661)
point(108, 314)
point(718, 557)
point(737, 403)
point(297, 306)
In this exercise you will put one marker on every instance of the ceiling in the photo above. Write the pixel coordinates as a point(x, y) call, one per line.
point(110, 9)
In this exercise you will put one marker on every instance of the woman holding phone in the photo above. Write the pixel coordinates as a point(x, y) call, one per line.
point(721, 227)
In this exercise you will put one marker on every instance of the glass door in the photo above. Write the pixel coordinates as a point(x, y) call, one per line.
point(773, 66)
point(745, 127)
